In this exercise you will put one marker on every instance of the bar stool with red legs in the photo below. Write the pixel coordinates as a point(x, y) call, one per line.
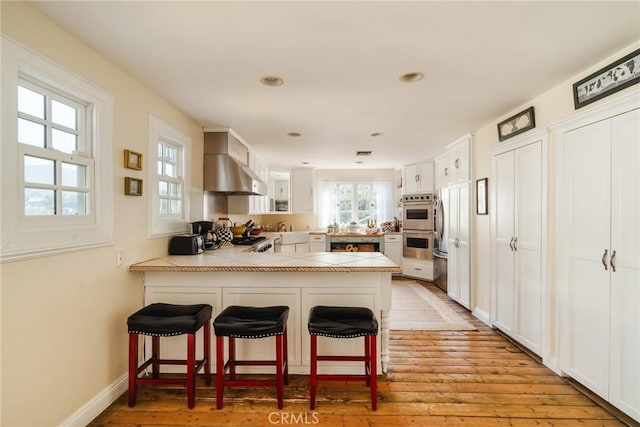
point(241, 322)
point(164, 320)
point(344, 322)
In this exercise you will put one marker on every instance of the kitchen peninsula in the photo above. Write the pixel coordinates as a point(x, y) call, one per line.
point(231, 276)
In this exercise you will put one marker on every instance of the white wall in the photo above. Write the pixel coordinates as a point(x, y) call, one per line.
point(551, 106)
point(63, 328)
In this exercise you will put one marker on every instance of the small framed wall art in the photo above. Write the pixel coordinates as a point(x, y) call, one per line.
point(132, 160)
point(132, 186)
point(481, 196)
point(614, 77)
point(516, 124)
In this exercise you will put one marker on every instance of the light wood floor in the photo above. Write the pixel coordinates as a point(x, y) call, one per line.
point(435, 378)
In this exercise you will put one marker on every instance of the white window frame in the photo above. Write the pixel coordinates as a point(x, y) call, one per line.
point(26, 237)
point(382, 211)
point(163, 225)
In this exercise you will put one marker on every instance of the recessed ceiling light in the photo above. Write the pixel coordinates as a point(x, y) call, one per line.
point(294, 134)
point(377, 134)
point(411, 77)
point(272, 81)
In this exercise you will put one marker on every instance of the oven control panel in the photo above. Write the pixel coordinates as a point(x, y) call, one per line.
point(419, 198)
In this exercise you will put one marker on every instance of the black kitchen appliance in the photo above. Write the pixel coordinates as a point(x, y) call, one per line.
point(206, 229)
point(186, 244)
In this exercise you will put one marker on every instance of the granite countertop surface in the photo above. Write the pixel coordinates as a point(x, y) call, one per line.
point(237, 259)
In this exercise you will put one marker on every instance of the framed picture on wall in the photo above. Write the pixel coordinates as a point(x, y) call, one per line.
point(516, 124)
point(132, 186)
point(132, 160)
point(614, 77)
point(481, 196)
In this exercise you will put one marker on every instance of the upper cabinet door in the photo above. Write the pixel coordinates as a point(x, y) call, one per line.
point(418, 178)
point(442, 171)
point(459, 160)
point(302, 190)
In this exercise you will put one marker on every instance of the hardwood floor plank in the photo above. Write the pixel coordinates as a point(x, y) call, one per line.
point(435, 378)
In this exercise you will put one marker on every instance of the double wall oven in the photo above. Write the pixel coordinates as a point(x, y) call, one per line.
point(418, 226)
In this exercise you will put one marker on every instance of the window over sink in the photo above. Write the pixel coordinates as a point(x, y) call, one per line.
point(355, 201)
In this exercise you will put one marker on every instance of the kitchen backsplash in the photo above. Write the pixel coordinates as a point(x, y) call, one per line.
point(215, 206)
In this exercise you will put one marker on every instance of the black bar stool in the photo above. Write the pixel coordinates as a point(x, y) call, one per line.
point(250, 323)
point(163, 320)
point(344, 322)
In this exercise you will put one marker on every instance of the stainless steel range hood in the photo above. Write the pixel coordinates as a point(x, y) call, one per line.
point(225, 167)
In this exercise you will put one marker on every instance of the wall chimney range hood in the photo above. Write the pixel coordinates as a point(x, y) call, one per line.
point(225, 167)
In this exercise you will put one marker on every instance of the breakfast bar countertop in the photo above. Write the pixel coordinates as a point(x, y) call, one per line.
point(231, 259)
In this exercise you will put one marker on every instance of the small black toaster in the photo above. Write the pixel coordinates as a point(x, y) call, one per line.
point(187, 244)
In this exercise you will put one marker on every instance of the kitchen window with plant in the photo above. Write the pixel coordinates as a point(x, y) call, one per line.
point(56, 133)
point(345, 202)
point(169, 154)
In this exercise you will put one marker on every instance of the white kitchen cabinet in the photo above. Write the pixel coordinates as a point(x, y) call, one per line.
point(418, 268)
point(317, 243)
point(418, 178)
point(459, 262)
point(442, 171)
point(295, 248)
point(599, 251)
point(302, 190)
point(281, 190)
point(393, 247)
point(279, 199)
point(459, 169)
point(518, 206)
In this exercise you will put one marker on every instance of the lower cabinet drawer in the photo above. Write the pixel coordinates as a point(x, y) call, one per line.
point(419, 269)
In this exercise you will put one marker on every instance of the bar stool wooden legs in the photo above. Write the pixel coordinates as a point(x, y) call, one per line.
point(251, 323)
point(162, 320)
point(344, 322)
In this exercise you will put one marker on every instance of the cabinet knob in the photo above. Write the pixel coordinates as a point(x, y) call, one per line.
point(446, 171)
point(456, 163)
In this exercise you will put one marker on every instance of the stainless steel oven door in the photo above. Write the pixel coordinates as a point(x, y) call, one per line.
point(417, 244)
point(418, 216)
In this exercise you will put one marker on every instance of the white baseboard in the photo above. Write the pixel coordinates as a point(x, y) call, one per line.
point(552, 363)
point(482, 315)
point(97, 404)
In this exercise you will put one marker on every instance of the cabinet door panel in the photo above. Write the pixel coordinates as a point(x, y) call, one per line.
point(587, 154)
point(504, 184)
point(528, 224)
point(452, 225)
point(463, 250)
point(624, 389)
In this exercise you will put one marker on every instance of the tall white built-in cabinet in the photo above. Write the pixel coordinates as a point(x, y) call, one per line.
point(518, 238)
point(458, 221)
point(598, 260)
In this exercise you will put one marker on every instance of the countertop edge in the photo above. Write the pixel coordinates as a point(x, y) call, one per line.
point(263, 269)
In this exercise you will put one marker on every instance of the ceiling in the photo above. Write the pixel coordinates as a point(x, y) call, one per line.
point(341, 63)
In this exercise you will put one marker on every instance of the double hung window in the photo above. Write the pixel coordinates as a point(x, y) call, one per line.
point(57, 170)
point(169, 205)
point(54, 155)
